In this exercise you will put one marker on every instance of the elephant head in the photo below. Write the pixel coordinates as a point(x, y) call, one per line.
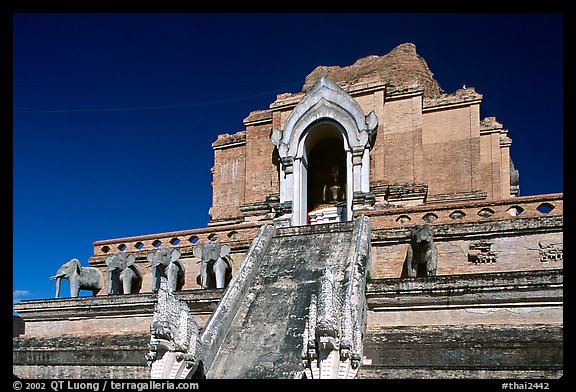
point(216, 264)
point(87, 278)
point(66, 271)
point(165, 263)
point(123, 274)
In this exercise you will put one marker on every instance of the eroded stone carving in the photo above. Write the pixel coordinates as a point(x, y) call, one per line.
point(332, 336)
point(551, 252)
point(165, 263)
point(81, 278)
point(514, 180)
point(479, 252)
point(216, 267)
point(422, 252)
point(405, 194)
point(174, 346)
point(124, 276)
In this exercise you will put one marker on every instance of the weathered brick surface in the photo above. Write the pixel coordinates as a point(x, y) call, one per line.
point(397, 154)
point(521, 252)
point(490, 163)
point(429, 146)
point(450, 143)
point(78, 372)
point(95, 356)
point(402, 67)
point(91, 326)
point(515, 239)
point(424, 135)
point(261, 164)
point(106, 315)
point(229, 178)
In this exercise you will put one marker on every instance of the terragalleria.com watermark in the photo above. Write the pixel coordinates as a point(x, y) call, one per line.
point(104, 385)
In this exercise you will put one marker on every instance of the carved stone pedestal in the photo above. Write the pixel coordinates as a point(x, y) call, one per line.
point(326, 214)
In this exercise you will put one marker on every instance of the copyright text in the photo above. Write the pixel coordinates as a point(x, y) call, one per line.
point(103, 385)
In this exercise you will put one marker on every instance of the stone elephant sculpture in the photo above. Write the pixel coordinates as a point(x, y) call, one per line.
point(124, 276)
point(165, 263)
point(216, 268)
point(81, 278)
point(422, 254)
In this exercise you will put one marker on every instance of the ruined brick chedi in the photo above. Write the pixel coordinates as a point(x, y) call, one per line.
point(368, 226)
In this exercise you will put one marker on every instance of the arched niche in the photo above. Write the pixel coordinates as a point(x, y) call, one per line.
point(326, 112)
point(324, 174)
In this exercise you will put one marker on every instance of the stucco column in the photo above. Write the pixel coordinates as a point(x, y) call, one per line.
point(365, 171)
point(357, 168)
point(300, 181)
point(349, 184)
point(286, 179)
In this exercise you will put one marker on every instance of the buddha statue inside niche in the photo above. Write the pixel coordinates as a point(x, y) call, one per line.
point(333, 191)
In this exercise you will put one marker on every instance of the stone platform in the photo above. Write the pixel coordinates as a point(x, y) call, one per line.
point(498, 325)
point(492, 325)
point(93, 337)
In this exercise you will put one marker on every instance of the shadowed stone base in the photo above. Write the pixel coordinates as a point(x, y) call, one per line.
point(481, 351)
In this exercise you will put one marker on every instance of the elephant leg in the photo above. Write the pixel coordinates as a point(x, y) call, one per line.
point(204, 275)
point(430, 268)
point(74, 288)
point(432, 263)
point(411, 267)
point(111, 283)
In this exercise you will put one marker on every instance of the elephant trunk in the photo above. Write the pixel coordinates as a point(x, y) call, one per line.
point(58, 280)
point(127, 286)
point(112, 280)
point(157, 273)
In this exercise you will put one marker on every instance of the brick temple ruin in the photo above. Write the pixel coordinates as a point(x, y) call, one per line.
point(314, 208)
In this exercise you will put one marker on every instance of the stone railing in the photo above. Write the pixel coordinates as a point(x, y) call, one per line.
point(470, 211)
point(334, 325)
point(239, 236)
point(218, 325)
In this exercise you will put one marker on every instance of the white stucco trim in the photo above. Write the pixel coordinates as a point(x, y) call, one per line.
point(325, 102)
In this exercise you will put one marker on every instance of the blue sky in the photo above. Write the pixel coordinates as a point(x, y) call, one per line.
point(114, 114)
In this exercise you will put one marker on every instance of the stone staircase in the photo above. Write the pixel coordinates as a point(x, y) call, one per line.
point(264, 336)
